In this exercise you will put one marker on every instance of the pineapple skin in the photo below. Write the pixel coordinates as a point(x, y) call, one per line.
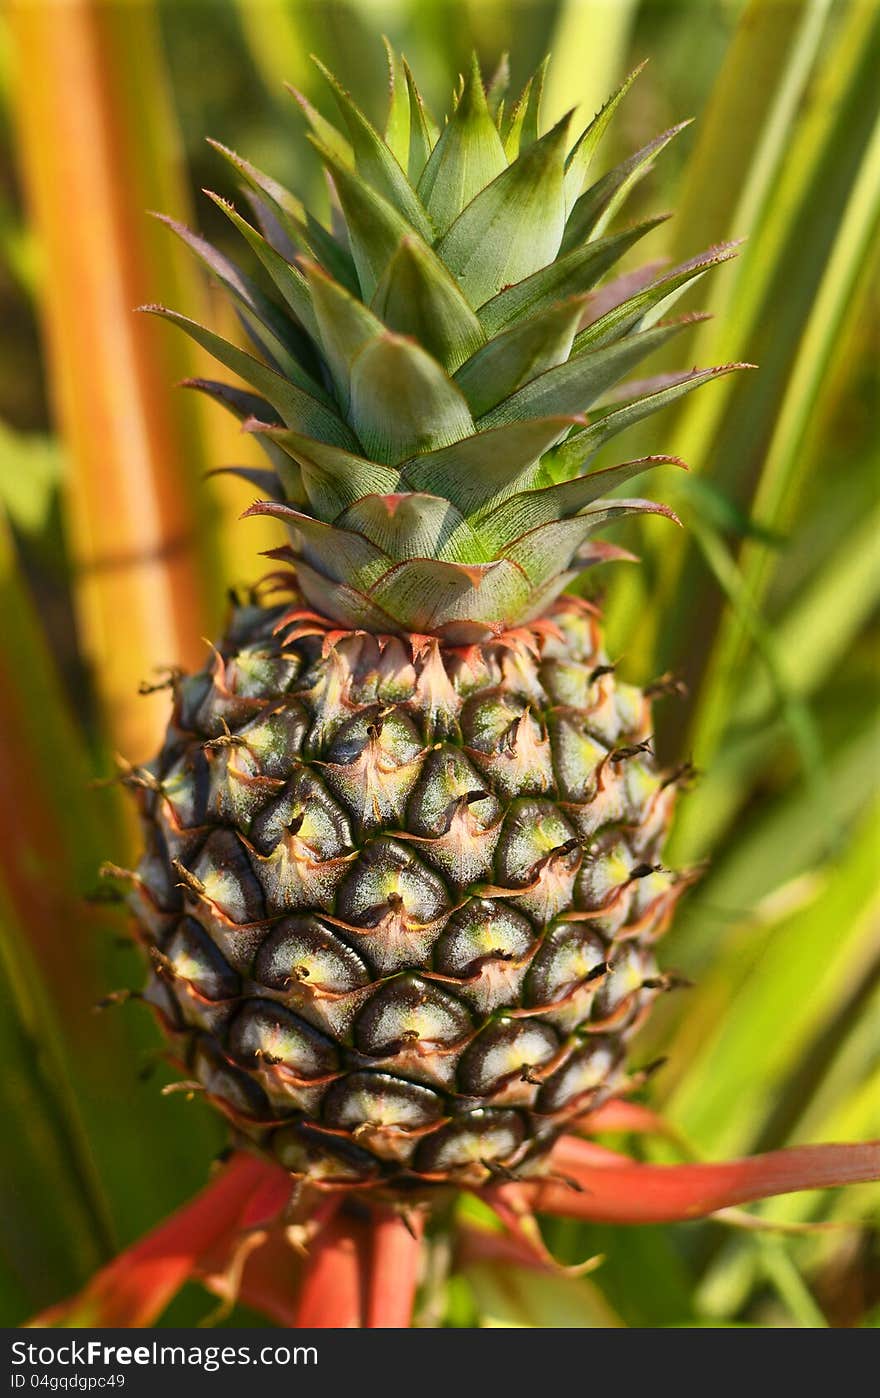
point(400, 898)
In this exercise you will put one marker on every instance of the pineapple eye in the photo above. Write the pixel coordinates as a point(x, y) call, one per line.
point(595, 1066)
point(482, 929)
point(409, 1010)
point(268, 1033)
point(377, 1099)
point(569, 956)
point(387, 869)
point(504, 1050)
point(533, 830)
point(329, 964)
point(478, 1137)
point(194, 958)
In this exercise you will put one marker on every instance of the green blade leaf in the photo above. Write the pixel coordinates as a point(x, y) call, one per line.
point(374, 162)
point(333, 479)
point(323, 129)
point(288, 279)
point(376, 228)
point(336, 553)
point(514, 226)
point(547, 550)
point(575, 272)
point(474, 472)
point(423, 130)
point(415, 526)
point(584, 148)
point(344, 326)
point(249, 406)
point(525, 118)
point(647, 305)
point(301, 227)
point(531, 125)
point(416, 296)
point(398, 117)
point(778, 993)
point(573, 386)
point(466, 158)
point(519, 354)
point(431, 594)
point(298, 408)
point(45, 1152)
point(596, 207)
point(567, 459)
point(523, 512)
point(269, 328)
point(512, 122)
point(402, 402)
point(499, 83)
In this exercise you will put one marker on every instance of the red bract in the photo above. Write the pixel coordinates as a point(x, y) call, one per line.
point(353, 1262)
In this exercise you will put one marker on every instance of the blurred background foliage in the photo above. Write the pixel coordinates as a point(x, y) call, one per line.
point(115, 555)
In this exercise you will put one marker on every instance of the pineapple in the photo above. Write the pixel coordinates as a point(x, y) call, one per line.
point(402, 886)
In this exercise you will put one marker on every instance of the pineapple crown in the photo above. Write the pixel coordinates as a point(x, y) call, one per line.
point(426, 364)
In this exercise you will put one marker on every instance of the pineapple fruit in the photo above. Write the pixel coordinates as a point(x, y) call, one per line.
point(402, 886)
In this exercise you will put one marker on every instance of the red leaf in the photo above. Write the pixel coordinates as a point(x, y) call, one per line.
point(630, 1117)
point(361, 1271)
point(607, 1188)
point(271, 1279)
point(394, 1273)
point(135, 1288)
point(332, 1292)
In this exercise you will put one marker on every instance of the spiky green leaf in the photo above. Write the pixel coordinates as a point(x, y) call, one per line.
point(297, 408)
point(584, 148)
point(333, 478)
point(398, 116)
point(323, 129)
point(374, 160)
point(437, 594)
point(519, 354)
point(466, 158)
point(573, 386)
point(344, 326)
point(575, 272)
point(514, 226)
point(269, 328)
point(651, 302)
point(423, 130)
point(375, 227)
point(480, 469)
point(532, 508)
point(496, 90)
point(402, 402)
point(416, 296)
point(415, 526)
point(303, 230)
point(338, 554)
point(596, 207)
point(547, 550)
point(288, 279)
point(566, 460)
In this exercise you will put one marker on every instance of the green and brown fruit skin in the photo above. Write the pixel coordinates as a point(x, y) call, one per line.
point(403, 879)
point(401, 899)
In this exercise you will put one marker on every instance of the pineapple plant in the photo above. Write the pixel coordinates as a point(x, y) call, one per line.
point(402, 880)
